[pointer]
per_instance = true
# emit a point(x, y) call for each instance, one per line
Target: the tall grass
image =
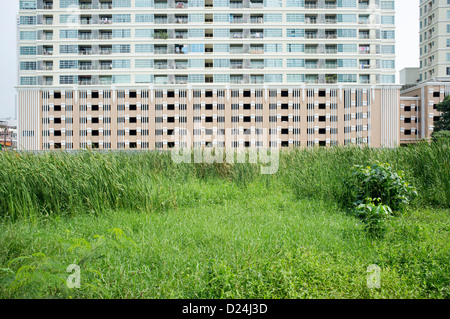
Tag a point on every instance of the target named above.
point(61, 183)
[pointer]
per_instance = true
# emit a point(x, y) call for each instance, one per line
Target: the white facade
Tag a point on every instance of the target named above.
point(126, 42)
point(435, 40)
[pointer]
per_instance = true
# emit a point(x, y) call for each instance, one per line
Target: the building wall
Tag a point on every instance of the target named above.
point(145, 118)
point(434, 39)
point(418, 110)
point(330, 39)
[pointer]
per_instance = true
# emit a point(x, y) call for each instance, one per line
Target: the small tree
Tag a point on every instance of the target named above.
point(444, 121)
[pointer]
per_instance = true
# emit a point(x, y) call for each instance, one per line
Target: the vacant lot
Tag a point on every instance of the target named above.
point(140, 226)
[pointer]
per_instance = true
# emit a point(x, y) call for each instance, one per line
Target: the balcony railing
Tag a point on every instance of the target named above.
point(237, 20)
point(106, 66)
point(181, 66)
point(85, 82)
point(180, 20)
point(237, 35)
point(257, 35)
point(85, 67)
point(256, 20)
point(86, 6)
point(106, 6)
point(85, 52)
point(105, 21)
point(236, 65)
point(106, 36)
point(160, 66)
point(105, 51)
point(311, 35)
point(85, 36)
point(47, 6)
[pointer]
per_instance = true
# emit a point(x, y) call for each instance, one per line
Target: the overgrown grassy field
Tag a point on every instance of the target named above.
point(141, 226)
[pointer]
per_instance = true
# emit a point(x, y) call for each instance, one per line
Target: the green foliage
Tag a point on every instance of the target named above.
point(444, 121)
point(381, 182)
point(441, 136)
point(41, 276)
point(374, 215)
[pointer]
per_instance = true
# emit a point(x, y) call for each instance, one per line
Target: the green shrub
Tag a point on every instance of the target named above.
point(381, 182)
point(374, 215)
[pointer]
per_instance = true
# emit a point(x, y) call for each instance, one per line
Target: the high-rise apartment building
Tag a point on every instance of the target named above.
point(434, 40)
point(119, 74)
point(418, 111)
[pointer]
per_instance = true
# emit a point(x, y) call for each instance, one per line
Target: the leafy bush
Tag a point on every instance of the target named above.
point(381, 182)
point(374, 215)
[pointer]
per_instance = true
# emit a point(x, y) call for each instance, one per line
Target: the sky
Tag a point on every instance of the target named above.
point(407, 47)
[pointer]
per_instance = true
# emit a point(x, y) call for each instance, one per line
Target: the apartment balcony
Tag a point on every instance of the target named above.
point(161, 66)
point(364, 50)
point(106, 66)
point(105, 82)
point(330, 20)
point(330, 65)
point(311, 50)
point(236, 51)
point(310, 35)
point(85, 36)
point(85, 82)
point(330, 5)
point(363, 20)
point(237, 35)
point(365, 66)
point(311, 65)
point(364, 81)
point(181, 5)
point(237, 65)
point(47, 6)
point(47, 52)
point(364, 35)
point(311, 79)
point(256, 4)
point(363, 5)
point(105, 5)
point(85, 52)
point(85, 6)
point(181, 20)
point(237, 20)
point(330, 79)
point(236, 5)
point(181, 66)
point(256, 20)
point(105, 51)
point(330, 35)
point(181, 35)
point(160, 51)
point(160, 5)
point(311, 5)
point(236, 79)
point(105, 36)
point(85, 21)
point(256, 50)
point(48, 67)
point(105, 21)
point(256, 79)
point(84, 67)
point(330, 51)
point(311, 20)
point(181, 79)
point(257, 35)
